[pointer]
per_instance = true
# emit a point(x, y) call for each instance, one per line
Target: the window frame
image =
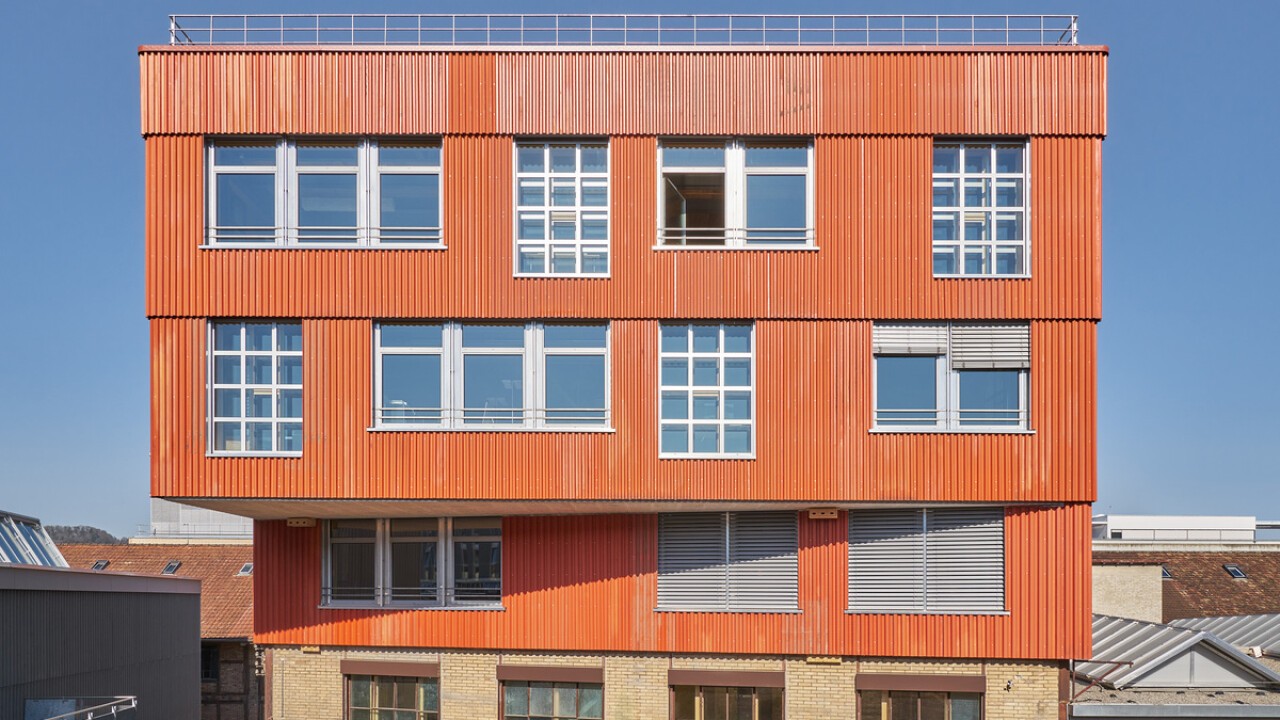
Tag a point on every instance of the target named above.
point(949, 415)
point(689, 421)
point(533, 353)
point(210, 672)
point(699, 705)
point(991, 210)
point(886, 705)
point(502, 697)
point(735, 173)
point(580, 211)
point(212, 386)
point(383, 597)
point(424, 714)
point(286, 171)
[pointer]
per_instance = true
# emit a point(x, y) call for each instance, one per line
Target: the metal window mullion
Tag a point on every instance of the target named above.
point(368, 182)
point(452, 337)
point(535, 395)
point(735, 219)
point(286, 192)
point(444, 562)
point(382, 562)
point(724, 519)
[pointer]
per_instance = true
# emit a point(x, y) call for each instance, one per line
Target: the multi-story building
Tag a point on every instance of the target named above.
point(636, 367)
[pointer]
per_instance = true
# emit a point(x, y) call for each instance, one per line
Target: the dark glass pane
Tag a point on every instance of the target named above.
point(289, 437)
point(406, 694)
point(493, 336)
point(1009, 159)
point(257, 336)
point(226, 436)
point(739, 701)
point(870, 701)
point(351, 571)
point(330, 155)
point(289, 337)
point(769, 701)
point(258, 370)
point(413, 571)
point(411, 388)
point(530, 158)
point(694, 208)
point(977, 159)
point(574, 336)
point(904, 705)
point(989, 397)
point(246, 201)
point(353, 529)
point(516, 698)
point(590, 702)
point(226, 403)
point(290, 370)
point(779, 156)
point(946, 159)
point(260, 155)
point(564, 158)
point(410, 201)
point(412, 336)
point(258, 403)
point(289, 404)
point(776, 208)
point(226, 370)
point(715, 703)
point(226, 336)
point(575, 389)
point(686, 701)
point(360, 686)
point(430, 695)
point(966, 706)
point(409, 155)
point(327, 201)
point(493, 388)
point(259, 436)
point(933, 706)
point(906, 390)
point(712, 156)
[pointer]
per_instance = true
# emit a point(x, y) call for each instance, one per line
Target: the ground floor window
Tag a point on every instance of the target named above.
point(546, 700)
point(706, 702)
point(904, 705)
point(209, 659)
point(371, 697)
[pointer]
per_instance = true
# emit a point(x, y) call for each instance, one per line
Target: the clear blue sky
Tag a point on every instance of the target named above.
point(1189, 409)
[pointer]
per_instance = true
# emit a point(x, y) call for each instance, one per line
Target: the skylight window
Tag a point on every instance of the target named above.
point(1164, 573)
point(246, 569)
point(171, 568)
point(101, 565)
point(1234, 571)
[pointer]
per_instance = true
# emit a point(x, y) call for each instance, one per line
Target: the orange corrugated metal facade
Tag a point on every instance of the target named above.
point(873, 116)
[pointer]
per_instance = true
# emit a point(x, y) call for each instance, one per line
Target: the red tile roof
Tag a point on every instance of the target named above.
point(226, 598)
point(1200, 587)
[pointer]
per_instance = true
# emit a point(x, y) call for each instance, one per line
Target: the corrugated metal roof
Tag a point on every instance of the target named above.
point(1243, 631)
point(1127, 650)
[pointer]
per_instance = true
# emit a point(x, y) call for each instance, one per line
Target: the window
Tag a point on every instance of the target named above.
point(171, 568)
point(100, 565)
point(245, 569)
point(256, 393)
point(700, 702)
point(945, 560)
point(420, 562)
point(370, 697)
point(910, 705)
point(361, 193)
point(544, 700)
point(736, 193)
point(957, 376)
point(741, 562)
point(209, 659)
point(1165, 574)
point(562, 208)
point(1235, 571)
point(707, 379)
point(496, 377)
point(979, 208)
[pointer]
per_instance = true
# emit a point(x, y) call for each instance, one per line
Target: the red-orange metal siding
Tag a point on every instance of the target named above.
point(813, 415)
point(555, 567)
point(872, 204)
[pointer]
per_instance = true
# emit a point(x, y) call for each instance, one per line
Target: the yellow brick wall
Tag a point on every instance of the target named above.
point(308, 686)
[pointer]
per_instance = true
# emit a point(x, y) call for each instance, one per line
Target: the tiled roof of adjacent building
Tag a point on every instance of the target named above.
point(226, 596)
point(1200, 586)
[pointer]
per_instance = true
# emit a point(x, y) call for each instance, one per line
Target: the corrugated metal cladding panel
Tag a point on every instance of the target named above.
point(813, 409)
point(1058, 91)
point(555, 567)
point(873, 259)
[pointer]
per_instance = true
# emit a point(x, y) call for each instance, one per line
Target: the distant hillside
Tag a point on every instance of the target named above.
point(81, 535)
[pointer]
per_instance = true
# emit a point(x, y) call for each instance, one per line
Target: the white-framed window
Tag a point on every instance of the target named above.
point(951, 376)
point(707, 389)
point(562, 208)
point(255, 387)
point(743, 193)
point(980, 204)
point(491, 376)
point(921, 560)
point(362, 192)
point(728, 562)
point(413, 562)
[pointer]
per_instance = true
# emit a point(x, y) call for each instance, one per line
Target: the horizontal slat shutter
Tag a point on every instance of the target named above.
point(976, 347)
point(691, 562)
point(763, 565)
point(886, 560)
point(965, 550)
point(909, 338)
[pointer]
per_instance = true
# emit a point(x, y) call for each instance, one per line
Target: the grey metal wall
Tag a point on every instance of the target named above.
point(61, 636)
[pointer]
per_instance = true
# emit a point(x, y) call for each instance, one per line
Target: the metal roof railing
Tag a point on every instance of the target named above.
point(611, 31)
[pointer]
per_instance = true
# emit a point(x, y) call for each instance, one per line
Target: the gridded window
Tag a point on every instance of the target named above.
point(703, 702)
point(526, 376)
point(980, 208)
point(945, 560)
point(911, 705)
point(737, 193)
point(740, 562)
point(24, 541)
point(951, 376)
point(392, 698)
point(546, 700)
point(255, 395)
point(562, 208)
point(356, 192)
point(706, 397)
point(210, 658)
point(413, 562)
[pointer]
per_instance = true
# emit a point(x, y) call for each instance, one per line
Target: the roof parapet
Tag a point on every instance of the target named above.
point(624, 31)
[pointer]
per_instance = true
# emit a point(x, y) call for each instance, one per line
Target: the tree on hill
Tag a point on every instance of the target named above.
point(81, 535)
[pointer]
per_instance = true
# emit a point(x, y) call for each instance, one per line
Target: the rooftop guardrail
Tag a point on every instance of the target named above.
point(631, 31)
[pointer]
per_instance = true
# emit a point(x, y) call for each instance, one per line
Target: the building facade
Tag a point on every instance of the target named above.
point(662, 381)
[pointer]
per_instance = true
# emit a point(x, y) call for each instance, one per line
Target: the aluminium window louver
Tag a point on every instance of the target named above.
point(999, 346)
point(734, 562)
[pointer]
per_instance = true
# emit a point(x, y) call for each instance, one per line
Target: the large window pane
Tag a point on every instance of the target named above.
point(414, 559)
point(409, 201)
point(351, 571)
point(776, 208)
point(493, 388)
point(477, 560)
point(694, 208)
point(246, 206)
point(411, 388)
point(906, 390)
point(327, 206)
point(989, 397)
point(575, 389)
